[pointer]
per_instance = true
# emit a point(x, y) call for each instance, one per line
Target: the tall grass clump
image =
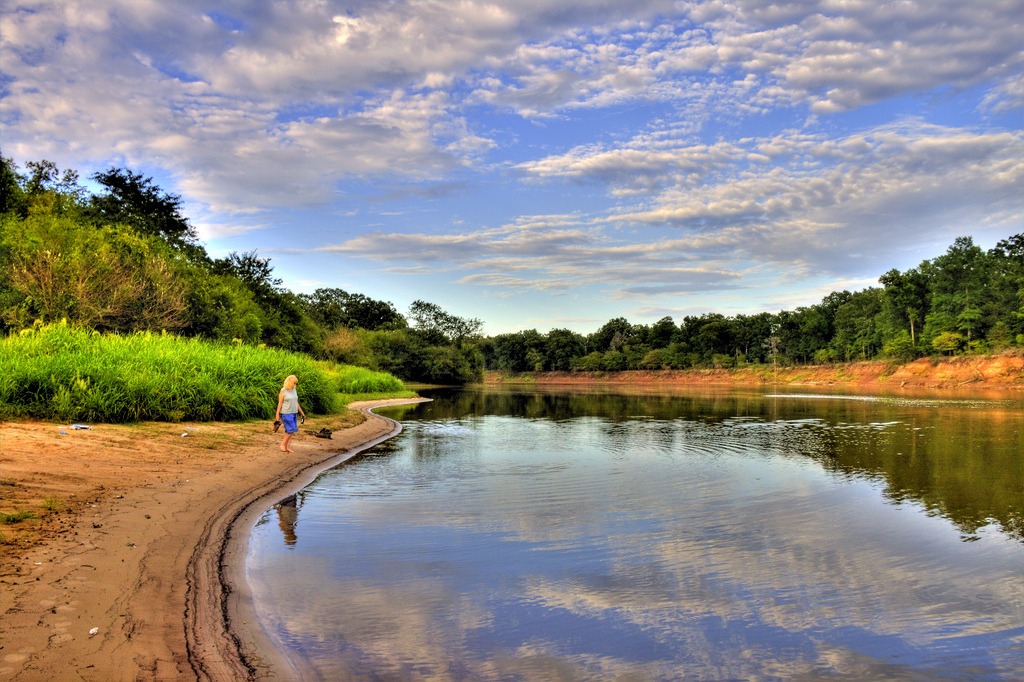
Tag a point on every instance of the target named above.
point(65, 373)
point(351, 380)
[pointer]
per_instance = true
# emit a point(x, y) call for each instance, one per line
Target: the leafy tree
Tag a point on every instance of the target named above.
point(857, 331)
point(591, 362)
point(254, 272)
point(654, 359)
point(901, 347)
point(968, 321)
point(615, 361)
point(662, 333)
point(396, 351)
point(135, 200)
point(284, 320)
point(947, 342)
point(957, 281)
point(561, 347)
point(713, 336)
point(221, 307)
point(333, 308)
point(108, 279)
point(750, 333)
point(12, 197)
point(906, 299)
point(438, 326)
point(446, 365)
point(519, 351)
point(44, 186)
point(1005, 285)
point(613, 335)
point(813, 332)
point(348, 346)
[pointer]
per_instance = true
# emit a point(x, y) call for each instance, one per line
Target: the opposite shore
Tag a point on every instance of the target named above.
point(974, 373)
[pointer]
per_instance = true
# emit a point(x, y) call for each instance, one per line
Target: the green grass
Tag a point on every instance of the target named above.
point(68, 374)
point(359, 380)
point(51, 503)
point(359, 383)
point(15, 517)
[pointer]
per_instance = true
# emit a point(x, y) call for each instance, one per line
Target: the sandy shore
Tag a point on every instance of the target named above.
point(136, 575)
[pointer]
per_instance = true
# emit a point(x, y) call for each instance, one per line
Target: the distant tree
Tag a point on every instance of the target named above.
point(750, 333)
point(44, 187)
point(438, 326)
point(561, 348)
point(12, 197)
point(221, 307)
point(947, 342)
point(45, 177)
point(333, 308)
point(135, 200)
point(254, 272)
point(519, 351)
point(1012, 247)
point(613, 335)
point(968, 321)
point(857, 331)
point(662, 333)
point(906, 299)
point(958, 277)
point(901, 347)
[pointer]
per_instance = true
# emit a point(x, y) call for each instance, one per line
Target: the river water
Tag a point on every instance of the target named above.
point(706, 535)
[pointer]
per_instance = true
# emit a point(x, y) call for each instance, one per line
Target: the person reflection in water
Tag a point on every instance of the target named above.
point(288, 518)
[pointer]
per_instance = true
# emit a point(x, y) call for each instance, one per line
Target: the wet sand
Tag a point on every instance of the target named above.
point(138, 574)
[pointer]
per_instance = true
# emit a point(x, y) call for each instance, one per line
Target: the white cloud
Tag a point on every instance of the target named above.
point(830, 56)
point(822, 199)
point(193, 90)
point(286, 104)
point(822, 210)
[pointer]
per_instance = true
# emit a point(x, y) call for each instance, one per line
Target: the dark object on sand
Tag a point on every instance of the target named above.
point(323, 433)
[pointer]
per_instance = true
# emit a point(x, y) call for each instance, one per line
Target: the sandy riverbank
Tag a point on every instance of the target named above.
point(141, 549)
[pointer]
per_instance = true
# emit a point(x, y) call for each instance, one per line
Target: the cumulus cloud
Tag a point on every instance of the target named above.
point(829, 56)
point(143, 80)
point(823, 207)
point(821, 200)
point(286, 104)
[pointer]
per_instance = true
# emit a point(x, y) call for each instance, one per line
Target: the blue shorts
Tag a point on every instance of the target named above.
point(291, 424)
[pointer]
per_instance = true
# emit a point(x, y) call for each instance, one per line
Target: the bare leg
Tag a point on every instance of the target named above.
point(284, 443)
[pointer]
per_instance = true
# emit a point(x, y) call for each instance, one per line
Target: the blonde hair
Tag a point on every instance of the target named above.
point(290, 382)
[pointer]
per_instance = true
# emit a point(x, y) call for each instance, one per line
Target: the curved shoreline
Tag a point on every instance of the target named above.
point(227, 620)
point(223, 632)
point(136, 572)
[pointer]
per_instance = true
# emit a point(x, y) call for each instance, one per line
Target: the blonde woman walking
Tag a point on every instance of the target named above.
point(287, 409)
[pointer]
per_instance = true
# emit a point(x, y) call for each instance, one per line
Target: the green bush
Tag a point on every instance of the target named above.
point(68, 374)
point(354, 380)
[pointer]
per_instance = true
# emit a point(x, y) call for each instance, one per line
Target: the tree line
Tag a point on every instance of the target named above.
point(127, 259)
point(965, 301)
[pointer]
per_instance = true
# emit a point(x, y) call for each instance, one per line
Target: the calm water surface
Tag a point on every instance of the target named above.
point(711, 536)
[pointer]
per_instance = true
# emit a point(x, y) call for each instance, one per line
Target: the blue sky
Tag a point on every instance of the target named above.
point(544, 163)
